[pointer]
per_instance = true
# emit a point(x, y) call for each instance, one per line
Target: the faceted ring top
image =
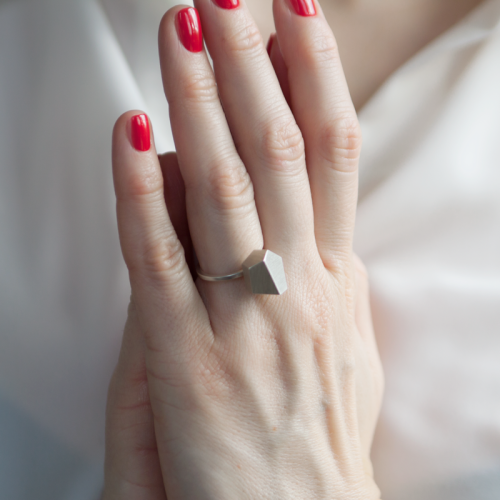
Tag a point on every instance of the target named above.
point(262, 270)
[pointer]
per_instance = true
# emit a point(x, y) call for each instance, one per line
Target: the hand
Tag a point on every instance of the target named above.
point(251, 396)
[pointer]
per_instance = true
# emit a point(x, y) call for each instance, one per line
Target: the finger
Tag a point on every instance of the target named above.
point(323, 109)
point(274, 51)
point(132, 465)
point(159, 275)
point(223, 220)
point(263, 127)
point(175, 199)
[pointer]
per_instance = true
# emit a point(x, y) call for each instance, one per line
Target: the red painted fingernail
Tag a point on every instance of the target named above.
point(270, 44)
point(227, 4)
point(189, 29)
point(141, 139)
point(304, 7)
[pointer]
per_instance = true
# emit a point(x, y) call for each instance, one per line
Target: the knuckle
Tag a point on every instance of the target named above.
point(324, 49)
point(340, 143)
point(146, 194)
point(200, 87)
point(282, 145)
point(145, 183)
point(163, 257)
point(339, 269)
point(348, 366)
point(319, 51)
point(246, 38)
point(230, 188)
point(336, 263)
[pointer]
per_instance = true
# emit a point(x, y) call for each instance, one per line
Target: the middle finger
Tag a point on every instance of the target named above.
point(262, 125)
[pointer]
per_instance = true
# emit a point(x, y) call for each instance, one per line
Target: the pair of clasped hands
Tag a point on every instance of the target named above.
point(220, 393)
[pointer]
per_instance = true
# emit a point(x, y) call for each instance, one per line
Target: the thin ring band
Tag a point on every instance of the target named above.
point(263, 272)
point(227, 277)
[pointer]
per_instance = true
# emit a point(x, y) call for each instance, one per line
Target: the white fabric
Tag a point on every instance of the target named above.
point(428, 230)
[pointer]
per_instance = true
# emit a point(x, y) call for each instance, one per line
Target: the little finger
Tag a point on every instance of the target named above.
point(324, 111)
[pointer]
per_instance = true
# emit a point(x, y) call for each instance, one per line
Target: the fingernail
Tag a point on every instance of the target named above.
point(304, 7)
point(227, 4)
point(140, 135)
point(189, 29)
point(270, 44)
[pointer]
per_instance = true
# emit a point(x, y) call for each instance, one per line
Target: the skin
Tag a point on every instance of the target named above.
point(219, 393)
point(376, 37)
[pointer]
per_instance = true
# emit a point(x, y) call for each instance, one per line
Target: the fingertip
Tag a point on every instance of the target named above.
point(135, 126)
point(184, 21)
point(139, 132)
point(304, 8)
point(135, 163)
point(168, 19)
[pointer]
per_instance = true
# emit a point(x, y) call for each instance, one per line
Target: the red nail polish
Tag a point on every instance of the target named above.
point(141, 139)
point(189, 29)
point(304, 7)
point(270, 44)
point(227, 4)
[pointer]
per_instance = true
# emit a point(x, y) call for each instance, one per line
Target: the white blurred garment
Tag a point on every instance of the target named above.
point(428, 229)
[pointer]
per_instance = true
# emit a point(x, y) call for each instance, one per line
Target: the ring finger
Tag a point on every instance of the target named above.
point(220, 203)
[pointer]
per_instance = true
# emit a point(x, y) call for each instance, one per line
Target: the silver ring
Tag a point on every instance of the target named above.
point(263, 272)
point(226, 277)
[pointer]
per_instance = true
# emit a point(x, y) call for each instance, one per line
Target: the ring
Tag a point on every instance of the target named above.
point(226, 277)
point(262, 270)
